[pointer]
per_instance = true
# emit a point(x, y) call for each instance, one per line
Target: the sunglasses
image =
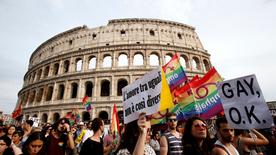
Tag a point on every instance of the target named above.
point(172, 120)
point(200, 125)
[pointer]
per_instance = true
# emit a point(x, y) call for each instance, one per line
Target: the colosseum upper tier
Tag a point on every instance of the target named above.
point(99, 62)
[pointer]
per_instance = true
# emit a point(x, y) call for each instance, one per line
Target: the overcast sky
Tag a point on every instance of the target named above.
point(239, 35)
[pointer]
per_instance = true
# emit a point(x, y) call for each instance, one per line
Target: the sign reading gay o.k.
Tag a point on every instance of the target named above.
point(148, 94)
point(243, 103)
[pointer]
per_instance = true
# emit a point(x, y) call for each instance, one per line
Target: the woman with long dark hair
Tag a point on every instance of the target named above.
point(34, 145)
point(196, 140)
point(134, 138)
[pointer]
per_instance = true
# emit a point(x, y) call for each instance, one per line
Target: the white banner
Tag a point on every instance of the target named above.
point(243, 103)
point(143, 95)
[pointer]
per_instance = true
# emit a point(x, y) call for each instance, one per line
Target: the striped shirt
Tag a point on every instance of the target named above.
point(174, 144)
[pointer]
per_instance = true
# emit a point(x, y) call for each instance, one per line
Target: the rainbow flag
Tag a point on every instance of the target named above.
point(202, 98)
point(175, 74)
point(197, 97)
point(87, 103)
point(115, 128)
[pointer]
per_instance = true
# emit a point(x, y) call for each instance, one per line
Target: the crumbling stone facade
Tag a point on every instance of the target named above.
point(100, 61)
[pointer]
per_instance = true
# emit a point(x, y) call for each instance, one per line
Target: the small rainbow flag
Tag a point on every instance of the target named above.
point(87, 103)
point(175, 74)
point(115, 128)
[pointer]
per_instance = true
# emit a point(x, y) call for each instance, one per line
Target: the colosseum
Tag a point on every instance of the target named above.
point(99, 62)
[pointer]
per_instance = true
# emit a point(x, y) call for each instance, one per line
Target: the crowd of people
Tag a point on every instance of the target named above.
point(135, 138)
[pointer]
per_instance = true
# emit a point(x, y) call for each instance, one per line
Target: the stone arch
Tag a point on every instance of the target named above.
point(168, 57)
point(49, 93)
point(121, 116)
point(33, 77)
point(184, 61)
point(103, 115)
point(138, 59)
point(88, 88)
point(206, 65)
point(154, 59)
point(122, 60)
point(32, 96)
point(120, 85)
point(66, 65)
point(60, 94)
point(78, 66)
point(35, 115)
point(105, 88)
point(92, 62)
point(107, 61)
point(86, 116)
point(39, 95)
point(195, 63)
point(44, 118)
point(55, 69)
point(74, 90)
point(46, 71)
point(39, 74)
point(56, 117)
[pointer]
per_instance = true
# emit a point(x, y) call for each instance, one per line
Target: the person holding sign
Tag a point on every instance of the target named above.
point(196, 140)
point(134, 138)
point(245, 143)
point(223, 145)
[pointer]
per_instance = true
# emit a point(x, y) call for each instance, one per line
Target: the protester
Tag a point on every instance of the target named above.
point(17, 138)
point(196, 140)
point(154, 142)
point(108, 142)
point(88, 132)
point(3, 131)
point(223, 146)
point(170, 142)
point(35, 144)
point(134, 138)
point(247, 144)
point(60, 138)
point(27, 128)
point(5, 143)
point(11, 130)
point(94, 144)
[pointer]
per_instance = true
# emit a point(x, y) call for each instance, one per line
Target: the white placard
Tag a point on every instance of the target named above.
point(243, 103)
point(143, 95)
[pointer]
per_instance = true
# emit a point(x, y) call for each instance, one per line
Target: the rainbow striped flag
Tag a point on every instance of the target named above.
point(198, 97)
point(87, 103)
point(115, 128)
point(175, 74)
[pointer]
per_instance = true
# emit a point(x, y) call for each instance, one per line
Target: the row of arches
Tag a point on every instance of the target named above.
point(81, 64)
point(47, 92)
point(85, 116)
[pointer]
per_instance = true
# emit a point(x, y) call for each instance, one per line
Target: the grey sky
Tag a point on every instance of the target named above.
point(239, 35)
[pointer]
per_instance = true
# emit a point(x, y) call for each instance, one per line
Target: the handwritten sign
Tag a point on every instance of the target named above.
point(244, 104)
point(148, 94)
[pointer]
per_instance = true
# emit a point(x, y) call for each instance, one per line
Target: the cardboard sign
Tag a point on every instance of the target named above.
point(148, 94)
point(243, 103)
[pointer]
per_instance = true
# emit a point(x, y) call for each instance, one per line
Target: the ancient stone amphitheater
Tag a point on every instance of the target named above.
point(99, 62)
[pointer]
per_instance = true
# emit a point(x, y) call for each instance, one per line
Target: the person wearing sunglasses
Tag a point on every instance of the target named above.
point(170, 142)
point(196, 140)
